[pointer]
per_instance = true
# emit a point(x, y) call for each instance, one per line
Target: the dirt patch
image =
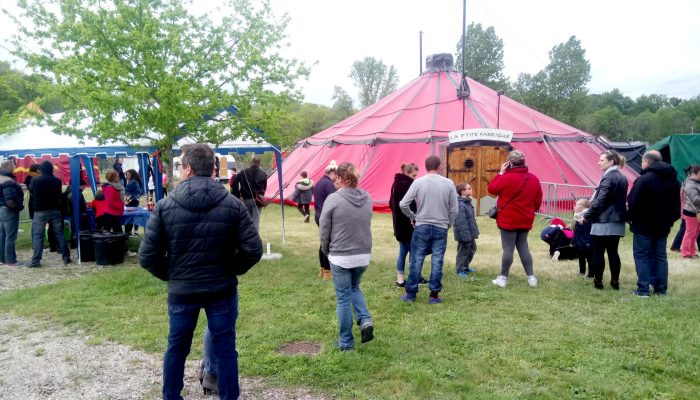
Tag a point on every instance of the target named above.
point(53, 363)
point(52, 270)
point(303, 348)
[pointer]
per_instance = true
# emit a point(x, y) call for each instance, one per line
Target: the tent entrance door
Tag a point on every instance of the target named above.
point(476, 165)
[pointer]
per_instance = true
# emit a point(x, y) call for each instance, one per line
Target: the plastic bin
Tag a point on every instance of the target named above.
point(109, 247)
point(87, 247)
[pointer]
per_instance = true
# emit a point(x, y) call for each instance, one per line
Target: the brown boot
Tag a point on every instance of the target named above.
point(320, 273)
point(327, 275)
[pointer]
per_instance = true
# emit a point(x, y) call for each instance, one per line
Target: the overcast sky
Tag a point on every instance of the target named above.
point(640, 47)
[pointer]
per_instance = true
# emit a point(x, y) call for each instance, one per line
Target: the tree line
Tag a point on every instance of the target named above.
point(154, 71)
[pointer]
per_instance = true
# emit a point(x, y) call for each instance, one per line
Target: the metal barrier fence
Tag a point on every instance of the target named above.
point(560, 199)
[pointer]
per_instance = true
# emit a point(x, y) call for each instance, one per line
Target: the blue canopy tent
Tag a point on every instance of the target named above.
point(39, 140)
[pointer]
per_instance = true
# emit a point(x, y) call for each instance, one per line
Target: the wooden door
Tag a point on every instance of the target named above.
point(475, 165)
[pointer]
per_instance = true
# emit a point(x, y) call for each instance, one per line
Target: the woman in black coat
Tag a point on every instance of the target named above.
point(403, 229)
point(607, 215)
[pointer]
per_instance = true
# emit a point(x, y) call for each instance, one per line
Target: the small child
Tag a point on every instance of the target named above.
point(302, 195)
point(582, 238)
point(466, 231)
point(99, 206)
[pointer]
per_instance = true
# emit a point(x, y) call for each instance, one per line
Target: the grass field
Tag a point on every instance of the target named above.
point(562, 339)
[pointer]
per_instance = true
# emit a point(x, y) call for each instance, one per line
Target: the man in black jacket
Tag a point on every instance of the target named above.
point(653, 207)
point(11, 203)
point(198, 239)
point(247, 184)
point(47, 202)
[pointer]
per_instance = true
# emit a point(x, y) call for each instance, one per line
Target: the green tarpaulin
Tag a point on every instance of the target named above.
point(680, 150)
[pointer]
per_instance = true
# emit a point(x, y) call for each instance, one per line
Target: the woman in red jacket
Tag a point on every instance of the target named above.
point(519, 197)
point(114, 202)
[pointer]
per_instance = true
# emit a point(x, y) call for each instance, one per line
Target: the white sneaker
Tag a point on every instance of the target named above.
point(555, 256)
point(532, 281)
point(500, 280)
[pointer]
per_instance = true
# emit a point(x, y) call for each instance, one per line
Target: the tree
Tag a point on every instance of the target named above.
point(613, 98)
point(131, 70)
point(374, 80)
point(673, 121)
point(568, 73)
point(652, 103)
point(342, 103)
point(484, 62)
point(559, 90)
point(642, 126)
point(607, 121)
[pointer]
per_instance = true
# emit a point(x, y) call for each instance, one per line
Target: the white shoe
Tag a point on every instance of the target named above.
point(500, 280)
point(130, 254)
point(532, 281)
point(555, 256)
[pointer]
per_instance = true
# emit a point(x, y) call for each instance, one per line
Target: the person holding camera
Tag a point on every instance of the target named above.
point(519, 197)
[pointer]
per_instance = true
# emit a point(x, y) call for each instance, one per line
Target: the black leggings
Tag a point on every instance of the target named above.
point(601, 244)
point(510, 240)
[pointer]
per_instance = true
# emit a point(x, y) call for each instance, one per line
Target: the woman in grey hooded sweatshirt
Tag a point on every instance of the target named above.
point(346, 238)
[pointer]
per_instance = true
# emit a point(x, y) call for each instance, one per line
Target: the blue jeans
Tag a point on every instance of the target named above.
point(426, 237)
point(404, 249)
point(9, 225)
point(210, 362)
point(651, 263)
point(221, 322)
point(41, 218)
point(347, 294)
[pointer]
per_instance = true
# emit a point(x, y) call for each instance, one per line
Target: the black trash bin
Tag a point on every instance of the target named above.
point(87, 247)
point(109, 247)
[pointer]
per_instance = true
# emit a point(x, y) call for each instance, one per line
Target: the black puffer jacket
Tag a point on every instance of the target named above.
point(653, 202)
point(610, 201)
point(403, 229)
point(198, 239)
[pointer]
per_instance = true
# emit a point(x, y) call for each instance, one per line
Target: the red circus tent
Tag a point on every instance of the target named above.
point(413, 123)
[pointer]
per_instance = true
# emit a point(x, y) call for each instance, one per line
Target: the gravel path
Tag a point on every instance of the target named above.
point(43, 361)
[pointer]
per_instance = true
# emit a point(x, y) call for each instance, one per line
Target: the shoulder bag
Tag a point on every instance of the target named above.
point(493, 211)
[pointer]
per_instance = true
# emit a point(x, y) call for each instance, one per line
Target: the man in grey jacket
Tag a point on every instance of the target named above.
point(436, 202)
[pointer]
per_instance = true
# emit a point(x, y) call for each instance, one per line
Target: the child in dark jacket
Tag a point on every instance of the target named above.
point(303, 191)
point(582, 238)
point(466, 231)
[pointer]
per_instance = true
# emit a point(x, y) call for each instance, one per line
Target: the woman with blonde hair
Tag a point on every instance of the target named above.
point(346, 238)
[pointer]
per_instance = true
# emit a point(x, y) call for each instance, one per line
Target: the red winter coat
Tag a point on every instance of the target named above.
point(519, 213)
point(113, 201)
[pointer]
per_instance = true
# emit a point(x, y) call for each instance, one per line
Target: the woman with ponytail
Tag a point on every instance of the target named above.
point(346, 238)
point(607, 214)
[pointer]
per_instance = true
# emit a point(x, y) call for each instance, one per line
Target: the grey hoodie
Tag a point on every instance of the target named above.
point(345, 224)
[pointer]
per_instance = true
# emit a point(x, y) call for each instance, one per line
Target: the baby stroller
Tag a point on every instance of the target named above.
point(558, 237)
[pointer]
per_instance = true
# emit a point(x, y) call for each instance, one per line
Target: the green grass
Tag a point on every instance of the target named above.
point(560, 340)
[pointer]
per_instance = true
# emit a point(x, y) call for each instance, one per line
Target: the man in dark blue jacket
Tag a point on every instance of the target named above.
point(653, 207)
point(198, 239)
